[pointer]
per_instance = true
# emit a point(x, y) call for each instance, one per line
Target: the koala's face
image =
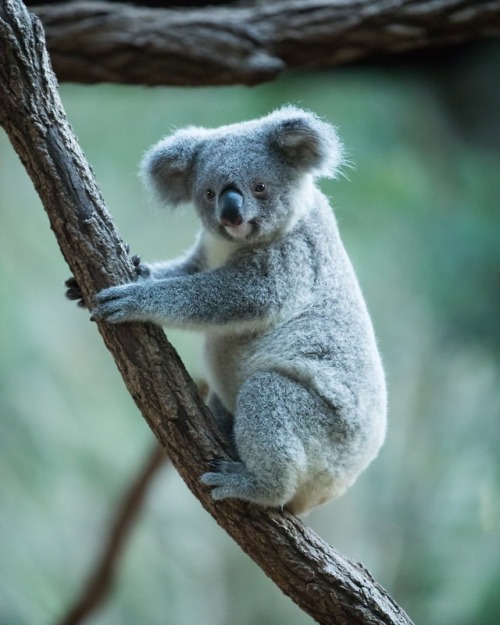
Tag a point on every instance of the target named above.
point(246, 180)
point(243, 189)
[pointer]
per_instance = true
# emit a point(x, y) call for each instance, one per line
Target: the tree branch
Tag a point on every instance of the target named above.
point(101, 578)
point(328, 586)
point(91, 41)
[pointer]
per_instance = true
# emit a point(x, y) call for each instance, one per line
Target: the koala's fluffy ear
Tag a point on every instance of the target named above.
point(306, 141)
point(167, 167)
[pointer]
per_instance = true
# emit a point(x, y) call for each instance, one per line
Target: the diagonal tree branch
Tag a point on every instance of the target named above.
point(95, 41)
point(325, 584)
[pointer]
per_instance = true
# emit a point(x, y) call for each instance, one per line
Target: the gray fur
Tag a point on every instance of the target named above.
point(292, 363)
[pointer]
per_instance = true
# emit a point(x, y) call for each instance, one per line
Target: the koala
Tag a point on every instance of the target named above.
point(295, 377)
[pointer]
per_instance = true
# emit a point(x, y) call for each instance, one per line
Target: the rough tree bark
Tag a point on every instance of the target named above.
point(248, 44)
point(325, 584)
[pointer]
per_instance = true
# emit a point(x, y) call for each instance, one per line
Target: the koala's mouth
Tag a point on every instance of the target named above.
point(242, 231)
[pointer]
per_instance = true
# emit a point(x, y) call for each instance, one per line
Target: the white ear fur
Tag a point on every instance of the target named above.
point(307, 142)
point(167, 167)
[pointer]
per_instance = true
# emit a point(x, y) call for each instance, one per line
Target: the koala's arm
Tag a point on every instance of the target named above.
point(190, 263)
point(243, 292)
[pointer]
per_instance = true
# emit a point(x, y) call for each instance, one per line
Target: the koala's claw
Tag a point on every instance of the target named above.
point(141, 270)
point(73, 291)
point(225, 466)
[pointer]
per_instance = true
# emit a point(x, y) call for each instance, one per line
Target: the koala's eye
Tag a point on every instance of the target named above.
point(260, 188)
point(210, 194)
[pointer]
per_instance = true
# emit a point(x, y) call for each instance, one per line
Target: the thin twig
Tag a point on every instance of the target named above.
point(126, 515)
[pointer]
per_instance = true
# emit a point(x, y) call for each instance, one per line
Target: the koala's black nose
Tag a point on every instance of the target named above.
point(230, 203)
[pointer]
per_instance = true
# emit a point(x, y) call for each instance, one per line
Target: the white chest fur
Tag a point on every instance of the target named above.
point(217, 250)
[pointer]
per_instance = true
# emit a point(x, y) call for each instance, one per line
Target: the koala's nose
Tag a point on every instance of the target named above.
point(230, 203)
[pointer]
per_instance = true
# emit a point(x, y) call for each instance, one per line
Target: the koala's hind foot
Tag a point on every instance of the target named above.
point(270, 434)
point(233, 480)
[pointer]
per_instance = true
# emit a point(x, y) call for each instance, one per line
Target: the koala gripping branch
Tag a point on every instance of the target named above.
point(323, 583)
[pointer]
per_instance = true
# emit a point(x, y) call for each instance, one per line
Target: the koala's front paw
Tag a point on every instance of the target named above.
point(118, 304)
point(73, 292)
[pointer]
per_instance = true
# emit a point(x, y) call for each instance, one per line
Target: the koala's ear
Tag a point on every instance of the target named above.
point(307, 142)
point(168, 166)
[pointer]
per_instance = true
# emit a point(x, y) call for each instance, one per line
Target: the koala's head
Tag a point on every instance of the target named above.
point(248, 181)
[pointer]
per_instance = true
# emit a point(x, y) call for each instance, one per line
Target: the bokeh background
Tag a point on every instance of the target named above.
point(420, 216)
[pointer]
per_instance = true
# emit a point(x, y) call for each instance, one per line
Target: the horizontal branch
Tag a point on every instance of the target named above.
point(91, 41)
point(332, 589)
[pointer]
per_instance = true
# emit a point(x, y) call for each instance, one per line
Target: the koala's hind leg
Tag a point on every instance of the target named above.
point(272, 454)
point(224, 419)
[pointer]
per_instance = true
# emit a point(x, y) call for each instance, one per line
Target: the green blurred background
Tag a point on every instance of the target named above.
point(420, 217)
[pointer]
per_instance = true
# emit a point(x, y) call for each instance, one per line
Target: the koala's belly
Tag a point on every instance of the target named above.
point(231, 359)
point(228, 363)
point(226, 358)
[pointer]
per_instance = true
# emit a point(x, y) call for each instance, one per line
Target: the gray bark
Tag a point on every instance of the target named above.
point(248, 44)
point(322, 582)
